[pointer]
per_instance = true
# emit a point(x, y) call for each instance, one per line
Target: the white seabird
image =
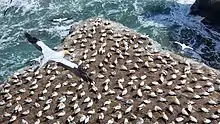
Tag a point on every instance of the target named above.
point(59, 20)
point(183, 46)
point(51, 55)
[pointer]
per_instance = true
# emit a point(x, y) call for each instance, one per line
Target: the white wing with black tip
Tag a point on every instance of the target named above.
point(47, 51)
point(51, 55)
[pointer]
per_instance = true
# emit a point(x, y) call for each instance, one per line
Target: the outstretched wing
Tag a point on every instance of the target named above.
point(189, 47)
point(66, 63)
point(77, 70)
point(32, 40)
point(182, 47)
point(39, 45)
point(178, 43)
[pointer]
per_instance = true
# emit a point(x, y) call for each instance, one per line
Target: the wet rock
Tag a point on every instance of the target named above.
point(210, 9)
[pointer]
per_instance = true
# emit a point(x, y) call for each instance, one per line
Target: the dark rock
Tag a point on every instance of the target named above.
point(210, 9)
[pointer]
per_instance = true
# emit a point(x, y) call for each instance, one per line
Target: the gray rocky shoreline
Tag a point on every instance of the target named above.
point(134, 82)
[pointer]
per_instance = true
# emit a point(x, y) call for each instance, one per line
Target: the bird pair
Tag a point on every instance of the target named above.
point(50, 55)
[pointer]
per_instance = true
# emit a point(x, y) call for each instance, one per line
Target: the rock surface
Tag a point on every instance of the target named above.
point(210, 9)
point(133, 83)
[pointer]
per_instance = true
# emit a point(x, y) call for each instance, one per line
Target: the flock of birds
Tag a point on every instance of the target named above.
point(131, 82)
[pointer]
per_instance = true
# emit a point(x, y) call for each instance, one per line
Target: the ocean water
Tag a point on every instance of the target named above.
point(166, 21)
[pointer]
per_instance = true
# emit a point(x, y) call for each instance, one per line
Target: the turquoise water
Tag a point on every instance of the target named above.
point(165, 21)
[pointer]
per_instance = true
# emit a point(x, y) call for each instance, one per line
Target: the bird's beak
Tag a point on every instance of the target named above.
point(66, 52)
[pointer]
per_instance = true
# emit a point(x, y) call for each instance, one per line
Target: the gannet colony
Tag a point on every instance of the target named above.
point(132, 83)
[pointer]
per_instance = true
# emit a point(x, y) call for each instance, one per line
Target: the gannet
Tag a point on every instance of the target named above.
point(51, 55)
point(183, 46)
point(59, 20)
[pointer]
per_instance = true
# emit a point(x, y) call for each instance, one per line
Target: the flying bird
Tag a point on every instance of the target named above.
point(57, 56)
point(183, 46)
point(59, 20)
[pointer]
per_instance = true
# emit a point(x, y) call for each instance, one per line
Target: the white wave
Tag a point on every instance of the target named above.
point(185, 1)
point(180, 15)
point(58, 29)
point(24, 5)
point(149, 23)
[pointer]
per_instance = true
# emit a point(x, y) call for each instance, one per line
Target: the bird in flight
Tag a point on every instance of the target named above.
point(50, 55)
point(59, 20)
point(183, 46)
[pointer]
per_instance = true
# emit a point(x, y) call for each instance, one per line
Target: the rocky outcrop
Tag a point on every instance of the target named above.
point(210, 9)
point(132, 83)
